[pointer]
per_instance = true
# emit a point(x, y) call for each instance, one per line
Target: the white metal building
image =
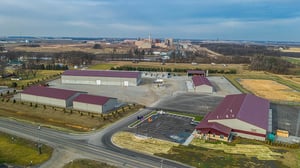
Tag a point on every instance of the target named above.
point(202, 84)
point(49, 96)
point(93, 77)
point(93, 103)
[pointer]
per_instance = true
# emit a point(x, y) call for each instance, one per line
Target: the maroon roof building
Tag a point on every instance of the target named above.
point(49, 96)
point(93, 103)
point(196, 73)
point(243, 115)
point(94, 77)
point(202, 84)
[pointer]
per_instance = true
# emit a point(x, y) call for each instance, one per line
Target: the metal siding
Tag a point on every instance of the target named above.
point(87, 107)
point(204, 89)
point(240, 125)
point(43, 100)
point(109, 105)
point(93, 80)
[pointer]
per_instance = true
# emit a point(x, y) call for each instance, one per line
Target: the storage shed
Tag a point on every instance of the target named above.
point(49, 96)
point(93, 103)
point(243, 115)
point(93, 77)
point(202, 84)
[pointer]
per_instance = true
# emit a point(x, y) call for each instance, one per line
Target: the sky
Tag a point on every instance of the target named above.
point(265, 20)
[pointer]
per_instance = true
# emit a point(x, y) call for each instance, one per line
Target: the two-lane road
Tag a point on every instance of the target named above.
point(97, 144)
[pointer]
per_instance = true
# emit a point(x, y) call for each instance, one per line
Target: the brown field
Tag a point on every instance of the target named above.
point(130, 141)
point(270, 90)
point(292, 49)
point(54, 48)
point(261, 152)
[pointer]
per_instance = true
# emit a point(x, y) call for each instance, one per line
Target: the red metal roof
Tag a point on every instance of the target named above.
point(119, 74)
point(200, 80)
point(245, 107)
point(49, 92)
point(212, 127)
point(92, 99)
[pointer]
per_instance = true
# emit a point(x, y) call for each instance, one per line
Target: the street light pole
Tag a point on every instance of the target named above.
point(39, 145)
point(161, 163)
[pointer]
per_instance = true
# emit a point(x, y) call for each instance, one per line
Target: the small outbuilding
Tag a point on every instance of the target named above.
point(196, 73)
point(94, 77)
point(93, 103)
point(202, 84)
point(50, 96)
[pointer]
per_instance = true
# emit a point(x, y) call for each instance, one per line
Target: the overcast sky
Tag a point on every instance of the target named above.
point(277, 20)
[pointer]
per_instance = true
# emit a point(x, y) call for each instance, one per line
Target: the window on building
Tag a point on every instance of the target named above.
point(222, 136)
point(214, 134)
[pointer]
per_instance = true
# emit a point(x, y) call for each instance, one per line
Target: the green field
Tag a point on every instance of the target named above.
point(18, 151)
point(102, 66)
point(84, 163)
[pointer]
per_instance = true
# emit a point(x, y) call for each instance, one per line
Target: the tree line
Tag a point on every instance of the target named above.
point(177, 70)
point(270, 64)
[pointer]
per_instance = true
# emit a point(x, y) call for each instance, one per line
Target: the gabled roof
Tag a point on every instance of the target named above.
point(92, 99)
point(245, 107)
point(49, 92)
point(200, 80)
point(94, 73)
point(205, 125)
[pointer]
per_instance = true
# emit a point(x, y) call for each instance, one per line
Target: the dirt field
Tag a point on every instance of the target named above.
point(131, 141)
point(270, 90)
point(70, 47)
point(292, 49)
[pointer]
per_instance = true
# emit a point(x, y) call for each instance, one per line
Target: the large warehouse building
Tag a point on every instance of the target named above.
point(243, 115)
point(93, 77)
point(202, 84)
point(93, 103)
point(49, 96)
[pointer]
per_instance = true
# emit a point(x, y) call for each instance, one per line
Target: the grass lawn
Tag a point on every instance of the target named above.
point(238, 67)
point(204, 154)
point(71, 120)
point(81, 163)
point(103, 66)
point(21, 152)
point(40, 76)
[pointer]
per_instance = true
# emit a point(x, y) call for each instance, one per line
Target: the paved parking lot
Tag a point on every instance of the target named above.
point(190, 102)
point(166, 126)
